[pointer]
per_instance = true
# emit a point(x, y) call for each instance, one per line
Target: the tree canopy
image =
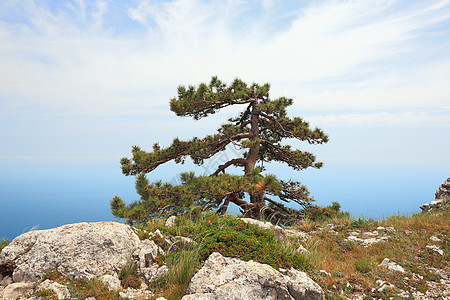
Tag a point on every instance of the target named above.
point(258, 131)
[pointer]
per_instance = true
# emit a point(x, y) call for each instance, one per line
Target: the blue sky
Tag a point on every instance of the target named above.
point(82, 81)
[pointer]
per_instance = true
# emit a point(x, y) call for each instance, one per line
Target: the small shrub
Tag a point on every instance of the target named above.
point(321, 214)
point(362, 223)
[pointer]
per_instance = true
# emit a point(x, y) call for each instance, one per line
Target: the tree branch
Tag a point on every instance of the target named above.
point(236, 161)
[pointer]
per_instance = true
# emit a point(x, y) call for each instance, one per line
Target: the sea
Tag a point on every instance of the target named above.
point(45, 193)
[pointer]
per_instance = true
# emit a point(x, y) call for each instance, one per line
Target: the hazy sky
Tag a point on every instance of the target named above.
point(85, 80)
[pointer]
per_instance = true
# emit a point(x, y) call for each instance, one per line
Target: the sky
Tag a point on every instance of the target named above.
point(82, 81)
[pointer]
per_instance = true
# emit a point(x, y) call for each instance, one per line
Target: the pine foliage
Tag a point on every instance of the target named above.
point(258, 131)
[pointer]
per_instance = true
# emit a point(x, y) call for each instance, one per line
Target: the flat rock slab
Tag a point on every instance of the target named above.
point(79, 251)
point(230, 278)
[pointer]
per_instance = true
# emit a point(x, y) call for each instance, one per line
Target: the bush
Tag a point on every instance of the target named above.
point(3, 243)
point(317, 213)
point(232, 237)
point(362, 223)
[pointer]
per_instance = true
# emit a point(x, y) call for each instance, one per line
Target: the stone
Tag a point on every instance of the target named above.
point(302, 250)
point(61, 291)
point(5, 281)
point(435, 239)
point(230, 278)
point(138, 294)
point(435, 248)
point(366, 242)
point(392, 265)
point(146, 252)
point(432, 206)
point(17, 290)
point(324, 273)
point(277, 229)
point(111, 281)
point(79, 251)
point(154, 272)
point(390, 229)
point(171, 221)
point(182, 242)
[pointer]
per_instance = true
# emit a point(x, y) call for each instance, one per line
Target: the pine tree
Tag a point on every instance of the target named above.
point(258, 131)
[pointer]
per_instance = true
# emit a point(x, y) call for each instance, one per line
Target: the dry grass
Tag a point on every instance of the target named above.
point(358, 266)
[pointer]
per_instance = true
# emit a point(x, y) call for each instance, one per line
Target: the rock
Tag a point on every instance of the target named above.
point(384, 285)
point(17, 290)
point(390, 229)
point(367, 235)
point(433, 205)
point(111, 281)
point(302, 250)
point(435, 248)
point(269, 226)
point(79, 251)
point(146, 252)
point(182, 242)
point(61, 291)
point(154, 272)
point(5, 281)
point(366, 242)
point(231, 278)
point(443, 190)
point(171, 221)
point(435, 239)
point(324, 273)
point(441, 194)
point(131, 293)
point(392, 265)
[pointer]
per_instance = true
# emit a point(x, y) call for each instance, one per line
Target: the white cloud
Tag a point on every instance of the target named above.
point(56, 60)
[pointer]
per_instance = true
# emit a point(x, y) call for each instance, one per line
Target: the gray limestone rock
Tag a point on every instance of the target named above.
point(154, 272)
point(78, 251)
point(61, 291)
point(171, 221)
point(111, 281)
point(17, 290)
point(277, 229)
point(392, 265)
point(231, 278)
point(131, 293)
point(146, 252)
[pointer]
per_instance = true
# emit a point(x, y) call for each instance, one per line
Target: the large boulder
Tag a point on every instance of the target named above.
point(231, 278)
point(79, 251)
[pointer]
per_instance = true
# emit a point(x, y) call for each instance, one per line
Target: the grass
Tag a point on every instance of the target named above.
point(129, 276)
